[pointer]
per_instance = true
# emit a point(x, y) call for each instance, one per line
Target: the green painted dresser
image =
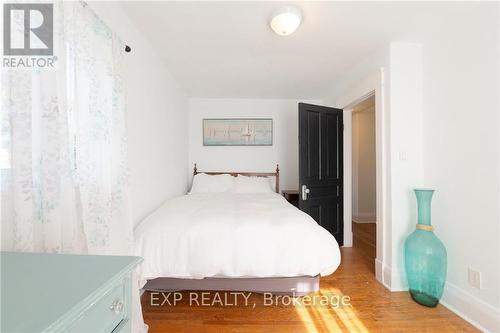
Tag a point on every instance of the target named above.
point(65, 293)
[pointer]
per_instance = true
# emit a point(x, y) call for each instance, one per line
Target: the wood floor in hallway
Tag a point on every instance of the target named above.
point(364, 239)
point(372, 309)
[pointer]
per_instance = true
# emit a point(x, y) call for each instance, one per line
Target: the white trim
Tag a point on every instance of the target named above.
point(382, 199)
point(474, 310)
point(364, 217)
point(392, 279)
point(363, 221)
point(398, 281)
point(347, 118)
point(379, 271)
point(467, 306)
point(371, 85)
point(386, 275)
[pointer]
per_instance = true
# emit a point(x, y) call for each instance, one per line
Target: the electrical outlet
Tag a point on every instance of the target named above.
point(474, 278)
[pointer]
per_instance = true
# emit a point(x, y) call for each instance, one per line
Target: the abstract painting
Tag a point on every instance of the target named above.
point(237, 132)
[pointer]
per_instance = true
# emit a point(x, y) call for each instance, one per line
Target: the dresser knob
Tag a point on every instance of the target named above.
point(117, 306)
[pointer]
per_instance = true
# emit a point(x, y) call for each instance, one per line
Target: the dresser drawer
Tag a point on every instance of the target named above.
point(106, 313)
point(123, 327)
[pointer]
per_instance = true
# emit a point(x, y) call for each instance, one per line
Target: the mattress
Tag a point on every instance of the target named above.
point(233, 235)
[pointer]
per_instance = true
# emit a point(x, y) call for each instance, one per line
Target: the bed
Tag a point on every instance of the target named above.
point(234, 237)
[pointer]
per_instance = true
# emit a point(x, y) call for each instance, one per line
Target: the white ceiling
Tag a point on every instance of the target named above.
point(226, 49)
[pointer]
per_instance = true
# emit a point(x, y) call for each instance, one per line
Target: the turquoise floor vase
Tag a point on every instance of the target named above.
point(425, 256)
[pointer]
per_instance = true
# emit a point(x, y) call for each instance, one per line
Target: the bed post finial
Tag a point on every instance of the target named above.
point(195, 170)
point(277, 178)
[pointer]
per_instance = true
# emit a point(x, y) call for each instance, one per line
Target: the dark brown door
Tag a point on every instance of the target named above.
point(321, 166)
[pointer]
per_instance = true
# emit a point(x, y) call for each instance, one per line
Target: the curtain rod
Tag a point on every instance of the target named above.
point(128, 49)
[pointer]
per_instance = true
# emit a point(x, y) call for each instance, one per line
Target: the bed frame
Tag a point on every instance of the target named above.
point(293, 286)
point(248, 174)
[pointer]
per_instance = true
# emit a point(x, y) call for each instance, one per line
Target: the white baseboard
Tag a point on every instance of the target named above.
point(364, 217)
point(379, 271)
point(474, 310)
point(393, 279)
point(385, 275)
point(469, 307)
point(362, 222)
point(348, 240)
point(398, 280)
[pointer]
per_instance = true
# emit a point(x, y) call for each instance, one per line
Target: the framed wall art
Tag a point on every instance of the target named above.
point(238, 132)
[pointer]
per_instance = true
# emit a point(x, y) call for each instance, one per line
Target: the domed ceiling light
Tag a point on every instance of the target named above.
point(286, 20)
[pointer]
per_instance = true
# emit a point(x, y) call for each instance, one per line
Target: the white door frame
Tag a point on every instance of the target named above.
point(371, 86)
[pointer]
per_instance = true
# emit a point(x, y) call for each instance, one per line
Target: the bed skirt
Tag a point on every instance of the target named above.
point(293, 286)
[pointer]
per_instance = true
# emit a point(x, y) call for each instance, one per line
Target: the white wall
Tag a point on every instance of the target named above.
point(449, 141)
point(461, 131)
point(368, 78)
point(498, 146)
point(394, 72)
point(363, 165)
point(406, 151)
point(284, 150)
point(156, 118)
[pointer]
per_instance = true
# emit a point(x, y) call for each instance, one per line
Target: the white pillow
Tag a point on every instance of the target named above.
point(203, 183)
point(244, 184)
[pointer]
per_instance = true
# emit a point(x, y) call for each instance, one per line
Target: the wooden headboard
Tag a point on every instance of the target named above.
point(249, 174)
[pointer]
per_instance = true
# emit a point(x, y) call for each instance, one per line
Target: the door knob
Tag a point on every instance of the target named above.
point(305, 192)
point(117, 306)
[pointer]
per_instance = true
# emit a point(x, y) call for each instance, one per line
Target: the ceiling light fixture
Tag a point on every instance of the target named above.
point(286, 20)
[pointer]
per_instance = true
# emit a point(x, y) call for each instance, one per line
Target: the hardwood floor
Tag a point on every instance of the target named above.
point(372, 309)
point(364, 238)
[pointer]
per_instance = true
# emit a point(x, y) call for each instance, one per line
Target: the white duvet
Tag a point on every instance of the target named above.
point(233, 235)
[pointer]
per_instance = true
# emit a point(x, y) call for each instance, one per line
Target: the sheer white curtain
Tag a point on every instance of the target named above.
point(64, 172)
